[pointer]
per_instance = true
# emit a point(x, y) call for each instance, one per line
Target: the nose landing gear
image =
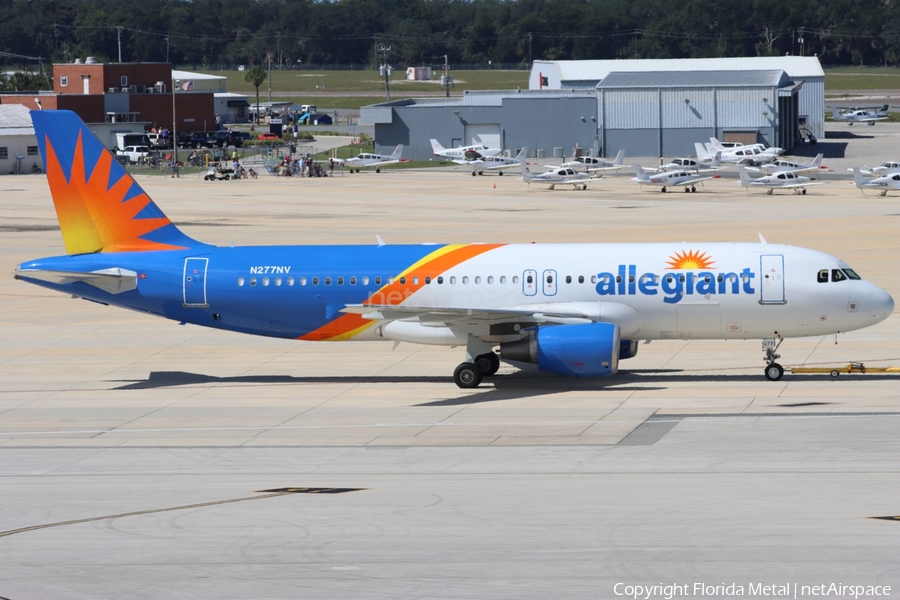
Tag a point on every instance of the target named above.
point(773, 371)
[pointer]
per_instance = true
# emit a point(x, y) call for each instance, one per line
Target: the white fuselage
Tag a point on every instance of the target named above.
point(721, 291)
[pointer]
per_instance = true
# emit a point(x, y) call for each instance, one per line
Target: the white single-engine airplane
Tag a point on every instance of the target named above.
point(670, 178)
point(559, 176)
point(367, 159)
point(883, 169)
point(591, 164)
point(742, 155)
point(856, 116)
point(779, 165)
point(884, 183)
point(493, 163)
point(787, 180)
point(573, 309)
point(690, 164)
point(472, 152)
point(715, 145)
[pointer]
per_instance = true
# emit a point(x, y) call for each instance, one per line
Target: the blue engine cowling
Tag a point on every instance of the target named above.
point(589, 350)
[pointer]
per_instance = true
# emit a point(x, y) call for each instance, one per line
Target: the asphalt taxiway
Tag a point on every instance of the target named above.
point(138, 458)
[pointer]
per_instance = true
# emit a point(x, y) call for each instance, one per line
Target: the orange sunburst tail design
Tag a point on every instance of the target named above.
point(100, 207)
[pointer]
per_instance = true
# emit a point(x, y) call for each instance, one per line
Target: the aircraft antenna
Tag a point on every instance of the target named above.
point(380, 241)
point(762, 240)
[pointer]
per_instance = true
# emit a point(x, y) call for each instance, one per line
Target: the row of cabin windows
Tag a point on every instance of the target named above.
point(452, 280)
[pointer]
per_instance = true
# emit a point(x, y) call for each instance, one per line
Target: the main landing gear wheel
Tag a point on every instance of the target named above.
point(687, 188)
point(663, 190)
point(803, 191)
point(488, 363)
point(774, 372)
point(693, 188)
point(474, 173)
point(467, 375)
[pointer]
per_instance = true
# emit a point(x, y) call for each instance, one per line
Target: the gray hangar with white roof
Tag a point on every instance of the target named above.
point(646, 107)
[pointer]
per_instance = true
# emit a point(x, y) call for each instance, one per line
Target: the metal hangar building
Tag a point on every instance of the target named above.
point(650, 108)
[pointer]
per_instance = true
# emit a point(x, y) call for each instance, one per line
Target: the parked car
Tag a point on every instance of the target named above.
point(223, 139)
point(134, 153)
point(197, 139)
point(267, 136)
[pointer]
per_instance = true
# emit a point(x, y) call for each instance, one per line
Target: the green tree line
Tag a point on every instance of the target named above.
point(471, 32)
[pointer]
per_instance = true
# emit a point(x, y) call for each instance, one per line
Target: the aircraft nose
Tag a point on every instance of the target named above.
point(882, 304)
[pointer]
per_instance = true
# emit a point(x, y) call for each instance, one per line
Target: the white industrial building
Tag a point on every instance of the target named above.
point(18, 144)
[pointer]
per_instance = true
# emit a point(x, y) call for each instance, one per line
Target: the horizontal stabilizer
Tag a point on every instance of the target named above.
point(113, 281)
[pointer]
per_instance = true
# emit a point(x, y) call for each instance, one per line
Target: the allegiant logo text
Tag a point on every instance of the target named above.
point(674, 286)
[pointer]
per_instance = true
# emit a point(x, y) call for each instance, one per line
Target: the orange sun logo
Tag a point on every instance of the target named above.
point(690, 260)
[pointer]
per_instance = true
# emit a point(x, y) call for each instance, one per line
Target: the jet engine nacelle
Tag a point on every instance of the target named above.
point(588, 350)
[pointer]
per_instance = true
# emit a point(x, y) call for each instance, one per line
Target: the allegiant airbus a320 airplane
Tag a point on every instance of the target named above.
point(574, 309)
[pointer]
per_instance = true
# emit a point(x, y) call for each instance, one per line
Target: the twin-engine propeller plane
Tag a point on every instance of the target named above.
point(369, 159)
point(573, 309)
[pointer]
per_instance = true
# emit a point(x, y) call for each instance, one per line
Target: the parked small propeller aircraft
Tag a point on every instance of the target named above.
point(670, 178)
point(879, 111)
point(783, 180)
point(572, 309)
point(883, 183)
point(592, 164)
point(367, 159)
point(715, 145)
point(742, 155)
point(885, 168)
point(691, 164)
point(779, 165)
point(493, 163)
point(561, 175)
point(856, 116)
point(472, 152)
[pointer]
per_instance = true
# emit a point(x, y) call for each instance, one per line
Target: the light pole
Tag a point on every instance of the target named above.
point(175, 83)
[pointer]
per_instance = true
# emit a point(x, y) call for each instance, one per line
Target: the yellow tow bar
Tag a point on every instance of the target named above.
point(850, 368)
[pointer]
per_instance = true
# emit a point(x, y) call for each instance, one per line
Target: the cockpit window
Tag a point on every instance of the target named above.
point(851, 274)
point(822, 277)
point(837, 275)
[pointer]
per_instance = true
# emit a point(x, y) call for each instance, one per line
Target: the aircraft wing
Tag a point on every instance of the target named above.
point(803, 185)
point(697, 180)
point(113, 281)
point(495, 167)
point(479, 321)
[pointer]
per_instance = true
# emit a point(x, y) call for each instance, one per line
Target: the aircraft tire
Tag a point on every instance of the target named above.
point(500, 173)
point(474, 173)
point(693, 188)
point(377, 170)
point(467, 375)
point(488, 363)
point(835, 373)
point(687, 189)
point(803, 191)
point(774, 372)
point(663, 190)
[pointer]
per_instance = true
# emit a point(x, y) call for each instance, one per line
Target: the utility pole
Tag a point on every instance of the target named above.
point(269, 78)
point(385, 70)
point(446, 78)
point(167, 47)
point(119, 36)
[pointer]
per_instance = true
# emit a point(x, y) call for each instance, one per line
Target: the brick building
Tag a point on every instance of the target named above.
point(134, 93)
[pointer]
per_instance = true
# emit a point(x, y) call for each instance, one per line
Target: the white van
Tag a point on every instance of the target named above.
point(307, 108)
point(134, 153)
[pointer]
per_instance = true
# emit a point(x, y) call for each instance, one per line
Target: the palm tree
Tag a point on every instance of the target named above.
point(255, 77)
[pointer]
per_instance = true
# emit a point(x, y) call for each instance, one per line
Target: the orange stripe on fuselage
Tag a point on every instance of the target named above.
point(347, 326)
